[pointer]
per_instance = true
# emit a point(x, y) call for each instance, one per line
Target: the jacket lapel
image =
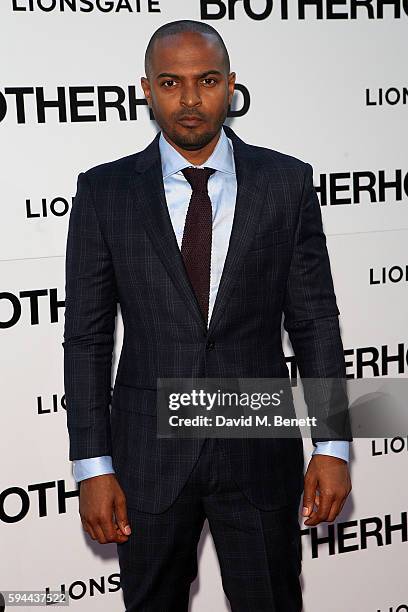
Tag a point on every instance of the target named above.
point(251, 186)
point(147, 190)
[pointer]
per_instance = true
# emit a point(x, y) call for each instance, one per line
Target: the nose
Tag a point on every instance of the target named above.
point(190, 95)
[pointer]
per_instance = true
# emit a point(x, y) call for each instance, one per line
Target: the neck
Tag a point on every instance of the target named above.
point(199, 156)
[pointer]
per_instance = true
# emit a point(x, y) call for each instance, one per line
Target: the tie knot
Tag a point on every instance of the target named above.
point(198, 177)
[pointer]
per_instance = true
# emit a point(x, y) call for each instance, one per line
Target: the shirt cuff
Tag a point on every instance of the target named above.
point(335, 448)
point(94, 466)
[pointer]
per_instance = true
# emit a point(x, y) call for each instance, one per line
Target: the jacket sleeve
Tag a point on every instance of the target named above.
point(311, 320)
point(90, 310)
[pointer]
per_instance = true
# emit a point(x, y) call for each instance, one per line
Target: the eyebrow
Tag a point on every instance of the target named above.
point(200, 76)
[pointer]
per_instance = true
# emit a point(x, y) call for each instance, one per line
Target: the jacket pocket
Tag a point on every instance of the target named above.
point(141, 400)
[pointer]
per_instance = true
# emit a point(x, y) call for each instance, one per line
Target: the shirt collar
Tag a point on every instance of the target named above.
point(222, 158)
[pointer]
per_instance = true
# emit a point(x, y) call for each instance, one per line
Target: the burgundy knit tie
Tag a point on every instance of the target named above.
point(197, 236)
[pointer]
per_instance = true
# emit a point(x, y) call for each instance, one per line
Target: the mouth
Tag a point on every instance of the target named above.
point(192, 121)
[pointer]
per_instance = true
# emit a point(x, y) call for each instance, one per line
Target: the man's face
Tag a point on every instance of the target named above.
point(188, 88)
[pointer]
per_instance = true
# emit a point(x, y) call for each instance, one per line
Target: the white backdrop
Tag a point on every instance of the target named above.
point(332, 91)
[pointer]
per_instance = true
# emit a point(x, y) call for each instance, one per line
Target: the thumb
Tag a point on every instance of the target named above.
point(309, 494)
point(121, 515)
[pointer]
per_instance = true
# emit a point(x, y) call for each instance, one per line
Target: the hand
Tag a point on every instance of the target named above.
point(102, 506)
point(327, 485)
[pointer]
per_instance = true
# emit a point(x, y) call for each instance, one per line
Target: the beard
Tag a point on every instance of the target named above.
point(192, 139)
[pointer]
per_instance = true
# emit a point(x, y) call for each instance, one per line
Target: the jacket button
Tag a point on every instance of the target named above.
point(210, 345)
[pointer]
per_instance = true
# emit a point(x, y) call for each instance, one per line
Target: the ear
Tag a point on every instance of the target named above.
point(144, 81)
point(231, 86)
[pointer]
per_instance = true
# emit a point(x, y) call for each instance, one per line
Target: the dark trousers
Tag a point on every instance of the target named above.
point(259, 551)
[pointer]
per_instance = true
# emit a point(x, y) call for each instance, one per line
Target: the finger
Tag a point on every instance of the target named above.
point(108, 528)
point(322, 512)
point(120, 537)
point(120, 509)
point(309, 495)
point(88, 528)
point(334, 511)
point(343, 501)
point(100, 536)
point(316, 503)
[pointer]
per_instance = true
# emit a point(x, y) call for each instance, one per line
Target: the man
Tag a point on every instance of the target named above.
point(205, 241)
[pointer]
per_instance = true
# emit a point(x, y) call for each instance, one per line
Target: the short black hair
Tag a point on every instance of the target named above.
point(178, 27)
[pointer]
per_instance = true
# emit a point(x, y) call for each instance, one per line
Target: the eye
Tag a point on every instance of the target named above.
point(164, 84)
point(206, 81)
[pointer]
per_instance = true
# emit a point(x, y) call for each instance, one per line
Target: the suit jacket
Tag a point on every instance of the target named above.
point(121, 248)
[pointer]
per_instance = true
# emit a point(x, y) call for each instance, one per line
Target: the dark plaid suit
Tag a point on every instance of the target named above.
point(122, 248)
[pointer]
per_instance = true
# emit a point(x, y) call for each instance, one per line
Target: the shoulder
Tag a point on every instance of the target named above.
point(112, 177)
point(272, 158)
point(123, 167)
point(283, 171)
point(111, 169)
